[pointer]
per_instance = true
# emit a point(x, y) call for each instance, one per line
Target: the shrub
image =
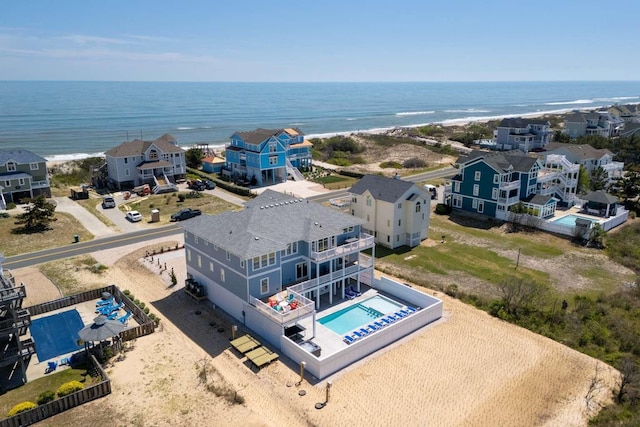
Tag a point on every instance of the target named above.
point(146, 310)
point(127, 292)
point(136, 301)
point(152, 316)
point(142, 305)
point(46, 396)
point(181, 197)
point(10, 206)
point(4, 215)
point(68, 388)
point(21, 407)
point(414, 163)
point(391, 164)
point(442, 209)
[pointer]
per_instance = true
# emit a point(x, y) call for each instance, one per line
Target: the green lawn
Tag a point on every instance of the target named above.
point(31, 390)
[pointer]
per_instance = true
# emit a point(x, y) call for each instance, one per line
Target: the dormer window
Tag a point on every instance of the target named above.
point(153, 155)
point(11, 166)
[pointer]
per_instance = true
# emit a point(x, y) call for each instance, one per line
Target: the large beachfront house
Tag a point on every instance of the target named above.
point(267, 156)
point(274, 264)
point(602, 123)
point(492, 183)
point(588, 157)
point(396, 211)
point(23, 175)
point(522, 134)
point(159, 163)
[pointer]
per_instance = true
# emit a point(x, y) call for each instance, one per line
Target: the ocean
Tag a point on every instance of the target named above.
point(66, 120)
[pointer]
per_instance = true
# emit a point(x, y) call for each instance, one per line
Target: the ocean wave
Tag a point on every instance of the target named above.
point(350, 119)
point(185, 128)
point(468, 110)
point(414, 113)
point(70, 157)
point(577, 101)
point(616, 98)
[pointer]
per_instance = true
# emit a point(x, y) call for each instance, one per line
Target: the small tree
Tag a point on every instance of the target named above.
point(629, 377)
point(518, 295)
point(584, 181)
point(598, 179)
point(193, 158)
point(39, 213)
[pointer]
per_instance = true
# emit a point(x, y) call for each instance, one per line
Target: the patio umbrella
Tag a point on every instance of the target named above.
point(101, 329)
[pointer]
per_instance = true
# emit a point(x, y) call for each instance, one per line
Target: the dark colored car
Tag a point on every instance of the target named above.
point(183, 214)
point(197, 185)
point(209, 185)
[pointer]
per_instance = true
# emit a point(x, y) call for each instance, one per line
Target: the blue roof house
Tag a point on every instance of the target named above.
point(267, 156)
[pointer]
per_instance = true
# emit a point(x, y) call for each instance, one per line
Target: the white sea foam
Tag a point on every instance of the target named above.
point(577, 101)
point(616, 98)
point(185, 128)
point(468, 110)
point(70, 157)
point(414, 113)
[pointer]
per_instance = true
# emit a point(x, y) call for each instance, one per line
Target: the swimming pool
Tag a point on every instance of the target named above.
point(358, 315)
point(571, 220)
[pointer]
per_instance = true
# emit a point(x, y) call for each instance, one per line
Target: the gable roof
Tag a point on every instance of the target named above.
point(20, 156)
point(501, 161)
point(260, 135)
point(382, 188)
point(268, 223)
point(519, 122)
point(581, 151)
point(166, 143)
point(213, 159)
point(600, 197)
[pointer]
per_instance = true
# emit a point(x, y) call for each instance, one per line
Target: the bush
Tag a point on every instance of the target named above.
point(21, 407)
point(181, 198)
point(127, 292)
point(68, 388)
point(442, 209)
point(142, 305)
point(4, 215)
point(46, 396)
point(10, 206)
point(414, 163)
point(391, 164)
point(146, 310)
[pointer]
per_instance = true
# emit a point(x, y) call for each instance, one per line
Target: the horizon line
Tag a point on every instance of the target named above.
point(316, 82)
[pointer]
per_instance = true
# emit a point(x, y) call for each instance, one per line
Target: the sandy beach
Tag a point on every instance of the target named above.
point(466, 369)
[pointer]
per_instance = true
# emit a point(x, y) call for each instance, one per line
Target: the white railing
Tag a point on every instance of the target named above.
point(621, 217)
point(39, 184)
point(364, 264)
point(509, 200)
point(297, 175)
point(512, 185)
point(364, 242)
point(304, 307)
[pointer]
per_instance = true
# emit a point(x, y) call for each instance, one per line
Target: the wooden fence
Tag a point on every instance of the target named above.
point(62, 404)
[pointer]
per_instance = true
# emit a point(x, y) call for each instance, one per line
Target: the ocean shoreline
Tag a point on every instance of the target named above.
point(63, 158)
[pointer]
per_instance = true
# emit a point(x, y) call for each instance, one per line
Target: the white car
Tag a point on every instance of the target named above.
point(133, 216)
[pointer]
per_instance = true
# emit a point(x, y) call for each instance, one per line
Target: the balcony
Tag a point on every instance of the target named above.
point(12, 294)
point(513, 185)
point(508, 200)
point(365, 241)
point(14, 353)
point(40, 184)
point(282, 313)
point(365, 263)
point(22, 321)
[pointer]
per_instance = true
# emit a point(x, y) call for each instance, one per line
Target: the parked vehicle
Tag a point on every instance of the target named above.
point(196, 184)
point(142, 190)
point(183, 214)
point(108, 202)
point(133, 216)
point(209, 185)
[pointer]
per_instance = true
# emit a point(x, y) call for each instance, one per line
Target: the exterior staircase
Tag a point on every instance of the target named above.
point(294, 172)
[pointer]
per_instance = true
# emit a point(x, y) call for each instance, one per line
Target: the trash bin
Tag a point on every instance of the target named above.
point(76, 238)
point(155, 215)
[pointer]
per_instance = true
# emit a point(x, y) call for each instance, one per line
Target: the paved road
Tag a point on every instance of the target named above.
point(82, 248)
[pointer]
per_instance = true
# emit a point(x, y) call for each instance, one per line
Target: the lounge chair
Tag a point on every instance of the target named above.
point(411, 309)
point(112, 316)
point(347, 339)
point(290, 298)
point(399, 315)
point(405, 312)
point(51, 366)
point(354, 291)
point(358, 334)
point(103, 302)
point(385, 321)
point(380, 325)
point(391, 318)
point(65, 361)
point(364, 331)
point(349, 294)
point(372, 328)
point(124, 319)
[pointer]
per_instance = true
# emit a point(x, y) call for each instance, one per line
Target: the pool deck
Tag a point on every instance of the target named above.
point(329, 341)
point(573, 211)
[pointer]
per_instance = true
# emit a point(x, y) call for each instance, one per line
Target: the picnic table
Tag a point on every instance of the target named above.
point(245, 343)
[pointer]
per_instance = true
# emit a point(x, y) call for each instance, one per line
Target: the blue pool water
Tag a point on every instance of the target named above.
point(358, 315)
point(570, 220)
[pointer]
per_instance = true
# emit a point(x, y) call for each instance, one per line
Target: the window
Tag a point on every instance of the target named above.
point(292, 248)
point(34, 166)
point(256, 263)
point(153, 155)
point(476, 189)
point(264, 285)
point(126, 172)
point(353, 211)
point(354, 199)
point(215, 247)
point(7, 183)
point(456, 186)
point(388, 223)
point(477, 176)
point(301, 270)
point(189, 255)
point(399, 205)
point(242, 264)
point(457, 202)
point(199, 261)
point(272, 258)
point(222, 274)
point(474, 204)
point(211, 266)
point(273, 147)
point(417, 207)
point(399, 222)
point(195, 239)
point(228, 256)
point(496, 178)
point(388, 239)
point(273, 160)
point(21, 181)
point(263, 261)
point(494, 194)
point(369, 201)
point(480, 206)
point(397, 238)
point(126, 160)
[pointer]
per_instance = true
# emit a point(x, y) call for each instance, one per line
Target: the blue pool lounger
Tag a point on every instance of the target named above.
point(348, 339)
point(380, 325)
point(358, 334)
point(385, 321)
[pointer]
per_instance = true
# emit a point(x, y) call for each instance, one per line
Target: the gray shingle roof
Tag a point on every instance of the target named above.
point(501, 161)
point(581, 151)
point(268, 223)
point(137, 147)
point(382, 188)
point(259, 135)
point(538, 199)
point(519, 122)
point(600, 197)
point(19, 156)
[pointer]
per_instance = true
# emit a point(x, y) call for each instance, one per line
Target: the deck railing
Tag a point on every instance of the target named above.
point(304, 307)
point(365, 241)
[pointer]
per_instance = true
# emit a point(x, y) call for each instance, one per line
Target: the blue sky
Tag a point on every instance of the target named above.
point(309, 41)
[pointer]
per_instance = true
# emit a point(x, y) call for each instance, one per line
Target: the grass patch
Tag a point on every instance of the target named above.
point(169, 204)
point(58, 273)
point(61, 234)
point(335, 182)
point(92, 206)
point(31, 390)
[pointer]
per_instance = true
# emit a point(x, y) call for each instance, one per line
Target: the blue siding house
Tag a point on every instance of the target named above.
point(267, 156)
point(492, 183)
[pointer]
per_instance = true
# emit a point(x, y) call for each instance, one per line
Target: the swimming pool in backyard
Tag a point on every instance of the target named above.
point(358, 315)
point(571, 220)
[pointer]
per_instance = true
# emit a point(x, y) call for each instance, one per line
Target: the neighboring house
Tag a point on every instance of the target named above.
point(600, 203)
point(588, 157)
point(23, 175)
point(268, 156)
point(492, 183)
point(212, 164)
point(396, 211)
point(627, 113)
point(630, 129)
point(158, 163)
point(602, 123)
point(279, 262)
point(522, 134)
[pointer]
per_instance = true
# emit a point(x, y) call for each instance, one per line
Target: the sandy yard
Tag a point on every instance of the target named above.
point(466, 369)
